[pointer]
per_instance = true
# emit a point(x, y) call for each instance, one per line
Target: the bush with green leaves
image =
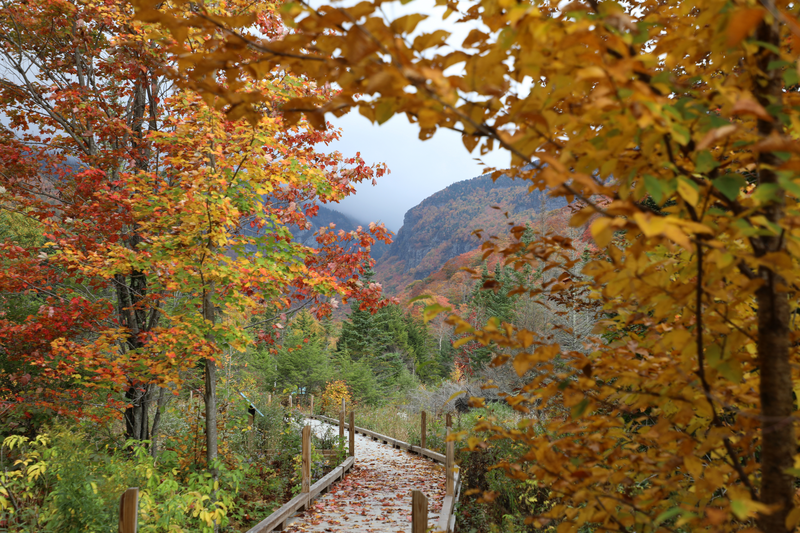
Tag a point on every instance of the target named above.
point(63, 482)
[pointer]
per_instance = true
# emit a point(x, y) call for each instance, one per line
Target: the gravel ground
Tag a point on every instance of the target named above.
point(375, 496)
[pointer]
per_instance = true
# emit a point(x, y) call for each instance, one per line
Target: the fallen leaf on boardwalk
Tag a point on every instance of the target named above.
point(376, 494)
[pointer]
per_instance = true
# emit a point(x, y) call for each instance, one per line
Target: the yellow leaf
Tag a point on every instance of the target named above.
point(407, 23)
point(526, 360)
point(650, 225)
point(591, 73)
point(688, 191)
point(694, 466)
point(525, 338)
point(602, 231)
point(793, 518)
point(677, 235)
point(452, 396)
point(431, 311)
point(745, 508)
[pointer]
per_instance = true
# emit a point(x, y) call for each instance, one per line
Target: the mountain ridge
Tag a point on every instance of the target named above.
point(442, 226)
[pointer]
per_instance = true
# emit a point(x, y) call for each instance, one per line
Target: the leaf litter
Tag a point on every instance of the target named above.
point(375, 495)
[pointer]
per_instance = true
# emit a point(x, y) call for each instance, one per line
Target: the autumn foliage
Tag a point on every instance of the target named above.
point(332, 396)
point(673, 125)
point(156, 230)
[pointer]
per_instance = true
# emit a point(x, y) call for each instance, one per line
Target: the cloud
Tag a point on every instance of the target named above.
point(418, 168)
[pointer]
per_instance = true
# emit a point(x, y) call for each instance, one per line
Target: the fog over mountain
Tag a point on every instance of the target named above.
point(418, 168)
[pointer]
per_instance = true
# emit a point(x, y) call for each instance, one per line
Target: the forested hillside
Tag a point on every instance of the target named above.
point(441, 227)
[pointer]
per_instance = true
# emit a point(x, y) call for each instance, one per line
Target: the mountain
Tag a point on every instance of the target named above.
point(326, 216)
point(441, 227)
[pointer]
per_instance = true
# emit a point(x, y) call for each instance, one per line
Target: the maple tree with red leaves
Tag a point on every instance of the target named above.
point(159, 224)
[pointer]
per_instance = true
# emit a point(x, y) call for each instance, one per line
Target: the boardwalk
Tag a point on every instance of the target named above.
point(376, 495)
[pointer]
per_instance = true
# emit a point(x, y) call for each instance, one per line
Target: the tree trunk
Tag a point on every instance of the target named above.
point(160, 404)
point(211, 391)
point(778, 444)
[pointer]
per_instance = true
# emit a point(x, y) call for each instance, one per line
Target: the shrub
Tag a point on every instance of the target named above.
point(332, 396)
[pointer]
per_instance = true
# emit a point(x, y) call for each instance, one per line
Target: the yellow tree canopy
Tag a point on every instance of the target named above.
point(673, 125)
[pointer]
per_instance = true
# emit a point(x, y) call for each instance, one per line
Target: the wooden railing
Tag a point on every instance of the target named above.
point(128, 509)
point(447, 517)
point(279, 518)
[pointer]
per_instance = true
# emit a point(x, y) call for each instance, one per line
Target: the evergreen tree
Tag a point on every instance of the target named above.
point(490, 300)
point(359, 377)
point(302, 361)
point(358, 331)
point(422, 346)
point(494, 301)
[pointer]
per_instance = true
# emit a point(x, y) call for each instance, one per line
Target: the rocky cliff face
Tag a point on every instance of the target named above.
point(441, 227)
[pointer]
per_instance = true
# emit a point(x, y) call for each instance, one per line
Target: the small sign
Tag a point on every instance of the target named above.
point(252, 407)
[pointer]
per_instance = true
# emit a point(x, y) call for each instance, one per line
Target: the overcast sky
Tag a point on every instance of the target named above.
point(418, 168)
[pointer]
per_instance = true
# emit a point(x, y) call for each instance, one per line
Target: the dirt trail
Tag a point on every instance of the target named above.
point(375, 496)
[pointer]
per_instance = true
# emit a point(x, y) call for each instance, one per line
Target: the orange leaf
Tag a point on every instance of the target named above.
point(748, 106)
point(715, 135)
point(777, 143)
point(742, 23)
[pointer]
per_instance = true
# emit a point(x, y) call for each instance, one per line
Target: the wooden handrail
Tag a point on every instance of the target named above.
point(447, 517)
point(438, 457)
point(277, 520)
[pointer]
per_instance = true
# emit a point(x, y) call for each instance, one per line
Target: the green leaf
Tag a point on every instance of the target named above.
point(778, 63)
point(385, 110)
point(666, 515)
point(791, 77)
point(786, 181)
point(769, 46)
point(656, 188)
point(681, 134)
point(731, 370)
point(705, 162)
point(729, 185)
point(507, 38)
point(578, 410)
point(767, 192)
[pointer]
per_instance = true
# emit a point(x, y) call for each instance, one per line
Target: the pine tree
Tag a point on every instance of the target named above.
point(490, 297)
point(302, 361)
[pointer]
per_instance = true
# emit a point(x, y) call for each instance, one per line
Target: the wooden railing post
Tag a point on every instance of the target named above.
point(341, 424)
point(449, 466)
point(251, 435)
point(352, 434)
point(419, 512)
point(423, 429)
point(311, 409)
point(129, 511)
point(306, 460)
